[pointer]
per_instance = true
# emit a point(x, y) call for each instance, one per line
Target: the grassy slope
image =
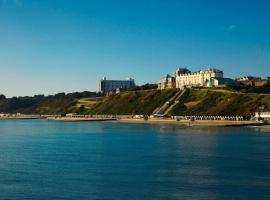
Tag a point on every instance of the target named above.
point(193, 102)
point(60, 105)
point(210, 102)
point(132, 102)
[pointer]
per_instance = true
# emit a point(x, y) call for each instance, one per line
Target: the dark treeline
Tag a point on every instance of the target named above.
point(60, 103)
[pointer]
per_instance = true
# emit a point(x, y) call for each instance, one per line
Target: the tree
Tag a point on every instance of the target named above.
point(2, 97)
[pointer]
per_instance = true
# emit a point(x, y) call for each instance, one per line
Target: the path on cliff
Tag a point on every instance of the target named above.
point(176, 101)
point(168, 105)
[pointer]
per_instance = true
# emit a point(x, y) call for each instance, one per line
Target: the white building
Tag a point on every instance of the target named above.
point(111, 85)
point(186, 78)
point(262, 115)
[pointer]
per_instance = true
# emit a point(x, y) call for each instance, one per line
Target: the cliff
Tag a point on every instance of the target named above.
point(189, 102)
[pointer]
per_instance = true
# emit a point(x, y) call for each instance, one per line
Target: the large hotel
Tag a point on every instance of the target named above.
point(185, 78)
point(111, 85)
point(202, 78)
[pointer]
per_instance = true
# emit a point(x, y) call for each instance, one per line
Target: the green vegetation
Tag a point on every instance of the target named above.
point(132, 102)
point(54, 104)
point(247, 89)
point(220, 102)
point(147, 86)
point(192, 102)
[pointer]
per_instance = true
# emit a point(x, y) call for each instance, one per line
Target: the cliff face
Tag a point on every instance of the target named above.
point(132, 102)
point(220, 102)
point(192, 102)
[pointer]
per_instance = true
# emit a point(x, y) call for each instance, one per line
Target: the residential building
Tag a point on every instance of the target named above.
point(167, 82)
point(111, 85)
point(261, 83)
point(186, 78)
point(253, 81)
point(222, 82)
point(248, 80)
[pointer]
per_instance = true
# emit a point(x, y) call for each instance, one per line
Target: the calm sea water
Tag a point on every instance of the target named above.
point(66, 160)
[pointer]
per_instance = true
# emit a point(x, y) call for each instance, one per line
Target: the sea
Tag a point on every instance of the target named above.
point(51, 160)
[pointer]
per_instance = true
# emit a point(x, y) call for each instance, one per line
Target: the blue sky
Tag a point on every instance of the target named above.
point(50, 46)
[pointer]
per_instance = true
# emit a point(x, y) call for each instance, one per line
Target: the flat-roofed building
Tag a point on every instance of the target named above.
point(111, 85)
point(253, 81)
point(185, 78)
point(222, 82)
point(248, 80)
point(261, 83)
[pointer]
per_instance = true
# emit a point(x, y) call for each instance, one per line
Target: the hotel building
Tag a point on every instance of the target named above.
point(111, 85)
point(186, 78)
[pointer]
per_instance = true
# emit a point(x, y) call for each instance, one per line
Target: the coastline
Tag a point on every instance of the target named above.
point(164, 121)
point(151, 120)
point(195, 122)
point(21, 117)
point(80, 119)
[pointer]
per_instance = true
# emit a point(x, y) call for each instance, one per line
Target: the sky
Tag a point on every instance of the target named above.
point(51, 46)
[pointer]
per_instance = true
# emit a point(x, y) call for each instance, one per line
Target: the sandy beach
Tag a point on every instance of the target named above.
point(152, 120)
point(196, 122)
point(80, 119)
point(20, 117)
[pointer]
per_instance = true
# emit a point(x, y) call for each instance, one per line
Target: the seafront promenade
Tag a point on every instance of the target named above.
point(197, 122)
point(81, 119)
point(186, 120)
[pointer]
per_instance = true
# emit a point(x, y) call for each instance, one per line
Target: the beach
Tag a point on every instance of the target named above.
point(196, 122)
point(80, 119)
point(164, 120)
point(21, 117)
point(150, 120)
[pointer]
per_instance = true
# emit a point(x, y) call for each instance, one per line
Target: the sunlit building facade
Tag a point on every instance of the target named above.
point(185, 78)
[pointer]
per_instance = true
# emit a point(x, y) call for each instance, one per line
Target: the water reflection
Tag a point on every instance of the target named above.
point(70, 160)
